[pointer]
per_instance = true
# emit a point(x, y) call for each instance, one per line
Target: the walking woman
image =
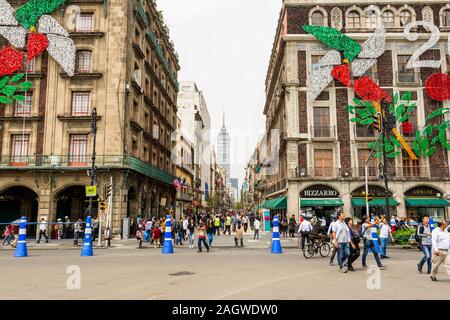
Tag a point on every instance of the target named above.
point(7, 235)
point(368, 241)
point(191, 233)
point(202, 236)
point(210, 230)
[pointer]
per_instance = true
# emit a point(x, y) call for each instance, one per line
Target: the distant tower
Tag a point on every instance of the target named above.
point(223, 150)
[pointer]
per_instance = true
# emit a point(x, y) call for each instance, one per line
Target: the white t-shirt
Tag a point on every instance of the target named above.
point(384, 230)
point(256, 224)
point(185, 224)
point(305, 226)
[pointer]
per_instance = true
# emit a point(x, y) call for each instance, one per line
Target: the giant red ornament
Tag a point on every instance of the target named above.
point(37, 43)
point(10, 61)
point(342, 73)
point(370, 91)
point(407, 127)
point(437, 87)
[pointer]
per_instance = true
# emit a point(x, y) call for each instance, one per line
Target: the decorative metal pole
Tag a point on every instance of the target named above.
point(385, 123)
point(93, 168)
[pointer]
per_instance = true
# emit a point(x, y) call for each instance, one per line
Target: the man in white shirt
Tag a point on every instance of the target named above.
point(304, 229)
point(440, 239)
point(185, 227)
point(43, 230)
point(256, 225)
point(341, 236)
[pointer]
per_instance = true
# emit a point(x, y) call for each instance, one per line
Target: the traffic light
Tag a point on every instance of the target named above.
point(377, 125)
point(103, 206)
point(108, 191)
point(389, 121)
point(368, 198)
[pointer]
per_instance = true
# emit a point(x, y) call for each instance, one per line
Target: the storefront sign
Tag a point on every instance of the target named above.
point(374, 191)
point(423, 191)
point(319, 191)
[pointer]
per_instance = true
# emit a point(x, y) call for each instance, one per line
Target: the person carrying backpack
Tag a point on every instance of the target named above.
point(423, 237)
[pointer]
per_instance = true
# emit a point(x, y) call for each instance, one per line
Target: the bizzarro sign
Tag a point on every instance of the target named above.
point(319, 191)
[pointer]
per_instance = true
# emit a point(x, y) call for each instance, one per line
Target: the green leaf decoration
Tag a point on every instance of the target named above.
point(444, 125)
point(391, 108)
point(367, 122)
point(9, 90)
point(350, 109)
point(334, 39)
point(430, 152)
point(428, 130)
point(435, 140)
point(19, 98)
point(5, 100)
point(443, 139)
point(355, 120)
point(406, 96)
point(25, 85)
point(411, 108)
point(424, 145)
point(395, 142)
point(403, 119)
point(389, 148)
point(378, 155)
point(358, 102)
point(436, 113)
point(396, 98)
point(17, 77)
point(28, 14)
point(399, 111)
point(393, 154)
point(416, 147)
point(3, 82)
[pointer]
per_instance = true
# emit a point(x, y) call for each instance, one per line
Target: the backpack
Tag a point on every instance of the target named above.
point(416, 235)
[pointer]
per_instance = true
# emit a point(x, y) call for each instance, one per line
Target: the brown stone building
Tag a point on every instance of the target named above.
point(321, 152)
point(126, 68)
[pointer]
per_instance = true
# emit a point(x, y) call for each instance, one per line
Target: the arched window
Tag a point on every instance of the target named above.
point(318, 19)
point(405, 17)
point(446, 18)
point(388, 18)
point(353, 20)
point(371, 19)
point(84, 61)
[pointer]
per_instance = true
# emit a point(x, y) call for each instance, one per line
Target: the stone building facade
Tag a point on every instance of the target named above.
point(319, 147)
point(126, 68)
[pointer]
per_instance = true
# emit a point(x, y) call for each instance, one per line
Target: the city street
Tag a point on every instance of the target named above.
point(252, 272)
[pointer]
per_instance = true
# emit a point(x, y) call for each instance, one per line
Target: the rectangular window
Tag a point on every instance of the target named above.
point(322, 122)
point(363, 155)
point(80, 103)
point(85, 22)
point(404, 74)
point(323, 163)
point(365, 131)
point(78, 149)
point(28, 66)
point(23, 108)
point(20, 149)
point(411, 168)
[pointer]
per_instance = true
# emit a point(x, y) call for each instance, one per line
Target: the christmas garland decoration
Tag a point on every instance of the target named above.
point(367, 108)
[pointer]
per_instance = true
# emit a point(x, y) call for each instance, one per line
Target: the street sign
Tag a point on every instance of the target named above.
point(91, 191)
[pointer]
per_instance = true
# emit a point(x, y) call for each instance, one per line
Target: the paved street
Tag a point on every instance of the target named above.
point(124, 272)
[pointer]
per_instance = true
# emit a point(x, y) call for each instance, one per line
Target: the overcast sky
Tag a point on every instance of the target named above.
point(224, 46)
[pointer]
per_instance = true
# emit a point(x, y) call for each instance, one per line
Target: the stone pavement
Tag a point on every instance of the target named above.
point(219, 275)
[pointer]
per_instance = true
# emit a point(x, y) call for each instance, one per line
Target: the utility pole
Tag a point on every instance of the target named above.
point(388, 123)
point(93, 173)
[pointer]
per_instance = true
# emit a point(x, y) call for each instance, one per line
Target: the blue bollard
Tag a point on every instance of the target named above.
point(87, 250)
point(21, 247)
point(168, 245)
point(276, 243)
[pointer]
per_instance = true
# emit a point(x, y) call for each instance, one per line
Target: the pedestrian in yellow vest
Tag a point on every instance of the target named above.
point(228, 225)
point(217, 225)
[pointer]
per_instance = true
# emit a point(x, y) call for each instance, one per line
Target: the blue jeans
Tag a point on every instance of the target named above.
point(426, 249)
point(368, 244)
point(384, 243)
point(343, 253)
point(210, 238)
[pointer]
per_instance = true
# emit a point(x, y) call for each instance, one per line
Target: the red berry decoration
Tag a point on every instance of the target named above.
point(437, 87)
point(10, 61)
point(342, 73)
point(407, 127)
point(37, 43)
point(370, 91)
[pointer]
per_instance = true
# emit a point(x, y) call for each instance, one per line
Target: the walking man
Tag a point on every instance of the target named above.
point(368, 241)
point(424, 233)
point(292, 225)
point(354, 245)
point(385, 235)
point(239, 237)
point(78, 232)
point(43, 230)
point(228, 225)
point(441, 245)
point(217, 225)
point(202, 235)
point(256, 226)
point(341, 236)
point(67, 227)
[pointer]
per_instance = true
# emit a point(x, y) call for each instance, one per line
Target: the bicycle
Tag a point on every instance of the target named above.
point(319, 245)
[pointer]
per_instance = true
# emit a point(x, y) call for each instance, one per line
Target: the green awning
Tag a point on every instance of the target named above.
point(266, 204)
point(280, 203)
point(427, 202)
point(321, 203)
point(377, 202)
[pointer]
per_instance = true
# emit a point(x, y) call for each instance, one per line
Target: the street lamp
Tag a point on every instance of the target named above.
point(93, 173)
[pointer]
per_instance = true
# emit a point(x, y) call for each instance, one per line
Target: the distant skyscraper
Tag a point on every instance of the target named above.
point(223, 150)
